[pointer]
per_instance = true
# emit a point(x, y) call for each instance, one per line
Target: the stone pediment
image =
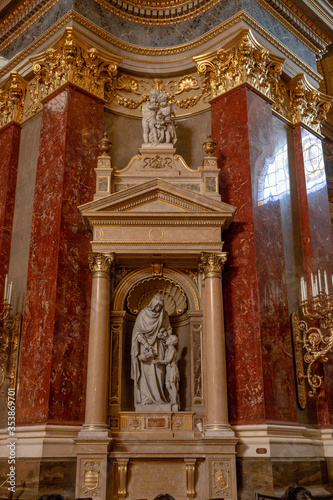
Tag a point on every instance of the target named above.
point(157, 217)
point(156, 196)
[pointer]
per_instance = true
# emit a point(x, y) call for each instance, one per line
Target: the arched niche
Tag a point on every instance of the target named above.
point(182, 302)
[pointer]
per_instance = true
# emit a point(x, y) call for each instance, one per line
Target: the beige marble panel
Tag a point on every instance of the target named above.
point(25, 189)
point(147, 479)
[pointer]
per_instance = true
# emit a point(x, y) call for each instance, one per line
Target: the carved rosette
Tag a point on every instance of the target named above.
point(12, 96)
point(243, 60)
point(100, 264)
point(211, 265)
point(307, 105)
point(71, 60)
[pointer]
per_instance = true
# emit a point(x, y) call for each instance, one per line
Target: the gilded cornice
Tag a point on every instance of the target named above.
point(307, 104)
point(12, 96)
point(70, 60)
point(151, 52)
point(242, 60)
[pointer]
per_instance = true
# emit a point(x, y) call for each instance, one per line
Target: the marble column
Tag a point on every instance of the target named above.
point(216, 400)
point(98, 350)
point(259, 350)
point(53, 362)
point(9, 147)
point(316, 235)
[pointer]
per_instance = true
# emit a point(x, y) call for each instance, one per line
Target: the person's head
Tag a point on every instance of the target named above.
point(297, 493)
point(157, 302)
point(164, 496)
point(51, 496)
point(153, 96)
point(163, 99)
point(172, 340)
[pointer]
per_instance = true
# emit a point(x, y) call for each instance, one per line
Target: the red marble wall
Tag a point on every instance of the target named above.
point(317, 239)
point(9, 147)
point(260, 367)
point(52, 374)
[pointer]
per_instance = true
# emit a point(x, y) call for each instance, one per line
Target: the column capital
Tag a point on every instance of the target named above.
point(12, 96)
point(307, 104)
point(100, 264)
point(211, 264)
point(71, 60)
point(242, 60)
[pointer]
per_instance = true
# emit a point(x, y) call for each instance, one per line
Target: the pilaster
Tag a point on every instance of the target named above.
point(11, 106)
point(72, 76)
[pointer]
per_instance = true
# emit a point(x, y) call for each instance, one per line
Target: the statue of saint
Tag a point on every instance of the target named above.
point(150, 336)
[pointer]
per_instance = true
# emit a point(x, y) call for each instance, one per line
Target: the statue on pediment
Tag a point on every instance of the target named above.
point(158, 120)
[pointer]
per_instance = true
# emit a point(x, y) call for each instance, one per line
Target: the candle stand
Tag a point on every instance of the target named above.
point(312, 343)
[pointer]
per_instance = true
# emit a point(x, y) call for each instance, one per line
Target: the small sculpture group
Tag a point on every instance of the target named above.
point(157, 121)
point(154, 357)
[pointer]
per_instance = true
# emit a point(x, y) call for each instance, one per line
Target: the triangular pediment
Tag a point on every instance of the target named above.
point(156, 196)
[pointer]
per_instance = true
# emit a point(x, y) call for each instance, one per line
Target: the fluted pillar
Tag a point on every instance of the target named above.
point(98, 350)
point(216, 399)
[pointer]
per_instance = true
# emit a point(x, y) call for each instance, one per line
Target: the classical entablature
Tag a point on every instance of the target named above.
point(157, 216)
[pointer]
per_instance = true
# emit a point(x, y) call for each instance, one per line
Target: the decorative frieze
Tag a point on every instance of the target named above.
point(12, 96)
point(70, 60)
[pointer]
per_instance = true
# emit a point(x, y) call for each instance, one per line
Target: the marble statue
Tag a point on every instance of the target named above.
point(149, 110)
point(165, 124)
point(158, 120)
point(153, 353)
point(172, 372)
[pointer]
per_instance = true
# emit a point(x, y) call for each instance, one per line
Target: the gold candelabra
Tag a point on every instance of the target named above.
point(10, 331)
point(312, 343)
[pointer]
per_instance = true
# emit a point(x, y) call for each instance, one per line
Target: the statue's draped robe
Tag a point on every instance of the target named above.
point(148, 377)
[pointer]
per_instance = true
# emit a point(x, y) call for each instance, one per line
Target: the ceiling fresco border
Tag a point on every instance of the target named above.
point(170, 12)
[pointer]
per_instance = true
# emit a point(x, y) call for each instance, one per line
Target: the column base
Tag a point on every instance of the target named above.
point(216, 430)
point(94, 430)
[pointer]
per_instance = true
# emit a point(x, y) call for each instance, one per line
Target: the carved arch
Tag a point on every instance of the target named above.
point(180, 278)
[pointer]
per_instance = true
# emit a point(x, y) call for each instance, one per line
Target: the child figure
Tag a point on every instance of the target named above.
point(172, 372)
point(164, 120)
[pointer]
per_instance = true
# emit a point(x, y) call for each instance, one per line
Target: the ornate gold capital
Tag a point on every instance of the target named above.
point(307, 104)
point(71, 60)
point(100, 264)
point(12, 95)
point(242, 60)
point(211, 265)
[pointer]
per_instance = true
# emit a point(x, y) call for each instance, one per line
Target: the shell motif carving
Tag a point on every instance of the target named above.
point(140, 295)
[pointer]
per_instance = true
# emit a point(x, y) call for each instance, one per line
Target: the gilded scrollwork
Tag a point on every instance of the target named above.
point(70, 60)
point(211, 264)
point(243, 60)
point(307, 105)
point(12, 96)
point(124, 83)
point(100, 264)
